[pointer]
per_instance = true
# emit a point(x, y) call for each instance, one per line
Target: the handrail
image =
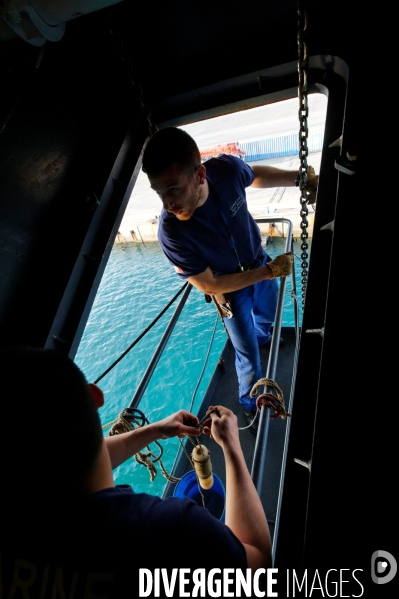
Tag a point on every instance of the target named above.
point(259, 459)
point(287, 431)
point(158, 352)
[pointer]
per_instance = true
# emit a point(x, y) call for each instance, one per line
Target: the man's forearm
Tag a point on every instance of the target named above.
point(244, 511)
point(123, 446)
point(211, 285)
point(270, 176)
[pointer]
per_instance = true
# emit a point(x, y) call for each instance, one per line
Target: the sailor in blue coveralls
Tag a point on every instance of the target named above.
point(211, 239)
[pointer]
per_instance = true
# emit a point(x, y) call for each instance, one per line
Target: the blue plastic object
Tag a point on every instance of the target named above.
point(214, 498)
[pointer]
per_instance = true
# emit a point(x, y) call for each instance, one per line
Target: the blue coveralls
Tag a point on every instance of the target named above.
point(254, 309)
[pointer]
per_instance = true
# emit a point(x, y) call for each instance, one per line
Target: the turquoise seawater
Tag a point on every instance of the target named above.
point(137, 285)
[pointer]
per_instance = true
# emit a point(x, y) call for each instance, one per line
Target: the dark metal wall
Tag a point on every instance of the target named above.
point(67, 108)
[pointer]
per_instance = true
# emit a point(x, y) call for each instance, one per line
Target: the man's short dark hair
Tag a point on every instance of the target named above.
point(170, 146)
point(51, 431)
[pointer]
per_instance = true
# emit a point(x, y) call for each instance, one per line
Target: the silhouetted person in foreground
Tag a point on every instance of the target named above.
point(67, 530)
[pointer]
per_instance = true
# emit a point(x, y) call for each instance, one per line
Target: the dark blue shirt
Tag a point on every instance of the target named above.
point(223, 222)
point(97, 548)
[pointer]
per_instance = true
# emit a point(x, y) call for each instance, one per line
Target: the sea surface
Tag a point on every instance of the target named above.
point(138, 283)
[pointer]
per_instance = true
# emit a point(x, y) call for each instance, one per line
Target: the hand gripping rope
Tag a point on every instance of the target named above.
point(129, 419)
point(200, 460)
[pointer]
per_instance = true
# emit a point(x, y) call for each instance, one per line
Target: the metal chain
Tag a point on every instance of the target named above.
point(303, 137)
point(119, 43)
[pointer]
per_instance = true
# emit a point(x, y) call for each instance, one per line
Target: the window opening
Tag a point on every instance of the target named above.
point(138, 281)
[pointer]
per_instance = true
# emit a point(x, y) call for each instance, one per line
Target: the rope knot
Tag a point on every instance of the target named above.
point(275, 402)
point(121, 425)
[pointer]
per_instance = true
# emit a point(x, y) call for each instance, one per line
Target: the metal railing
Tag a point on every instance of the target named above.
point(158, 352)
point(259, 459)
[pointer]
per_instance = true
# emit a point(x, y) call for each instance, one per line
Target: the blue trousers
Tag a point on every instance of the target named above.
point(254, 310)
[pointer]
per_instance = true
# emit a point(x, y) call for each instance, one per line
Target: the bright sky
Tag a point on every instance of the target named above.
point(254, 124)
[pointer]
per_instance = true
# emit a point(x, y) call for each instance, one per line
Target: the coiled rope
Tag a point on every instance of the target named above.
point(275, 402)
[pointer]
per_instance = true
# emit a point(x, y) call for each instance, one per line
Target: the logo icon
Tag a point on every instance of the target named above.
point(383, 567)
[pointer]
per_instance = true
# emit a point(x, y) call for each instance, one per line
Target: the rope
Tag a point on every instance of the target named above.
point(141, 335)
point(196, 388)
point(275, 402)
point(205, 363)
point(244, 428)
point(128, 420)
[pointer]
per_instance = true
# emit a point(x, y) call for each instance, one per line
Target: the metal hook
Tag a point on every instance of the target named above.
point(303, 463)
point(318, 331)
point(328, 227)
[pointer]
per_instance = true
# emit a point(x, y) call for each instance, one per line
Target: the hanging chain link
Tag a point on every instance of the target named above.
point(119, 44)
point(303, 138)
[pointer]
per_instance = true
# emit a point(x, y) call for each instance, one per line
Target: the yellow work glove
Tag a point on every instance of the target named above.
point(311, 185)
point(282, 265)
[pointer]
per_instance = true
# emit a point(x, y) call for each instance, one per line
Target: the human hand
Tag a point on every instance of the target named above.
point(312, 181)
point(180, 424)
point(222, 425)
point(282, 265)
